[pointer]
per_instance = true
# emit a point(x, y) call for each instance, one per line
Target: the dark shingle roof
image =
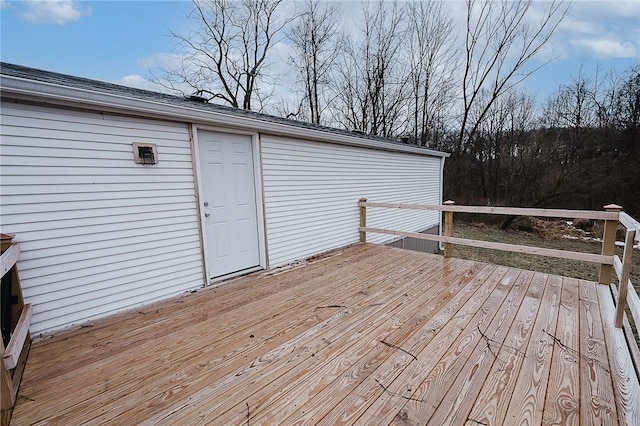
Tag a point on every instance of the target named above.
point(65, 80)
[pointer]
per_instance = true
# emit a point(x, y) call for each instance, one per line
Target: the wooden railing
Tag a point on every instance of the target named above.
point(14, 356)
point(624, 296)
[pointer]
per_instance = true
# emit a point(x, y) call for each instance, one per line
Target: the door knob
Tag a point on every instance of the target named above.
point(207, 214)
point(206, 203)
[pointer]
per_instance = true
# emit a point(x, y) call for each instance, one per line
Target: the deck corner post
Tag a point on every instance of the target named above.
point(363, 219)
point(448, 228)
point(608, 244)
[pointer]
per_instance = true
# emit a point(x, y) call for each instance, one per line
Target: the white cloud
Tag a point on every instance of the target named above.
point(139, 82)
point(606, 9)
point(3, 4)
point(552, 52)
point(600, 30)
point(160, 60)
point(608, 48)
point(53, 11)
point(573, 25)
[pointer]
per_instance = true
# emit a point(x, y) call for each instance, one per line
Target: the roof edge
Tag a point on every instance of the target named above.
point(34, 90)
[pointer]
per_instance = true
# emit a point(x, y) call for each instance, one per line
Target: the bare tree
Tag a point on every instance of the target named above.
point(572, 106)
point(499, 45)
point(226, 54)
point(371, 87)
point(628, 103)
point(510, 162)
point(432, 65)
point(314, 41)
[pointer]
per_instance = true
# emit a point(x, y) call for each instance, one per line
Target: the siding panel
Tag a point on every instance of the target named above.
point(311, 192)
point(98, 233)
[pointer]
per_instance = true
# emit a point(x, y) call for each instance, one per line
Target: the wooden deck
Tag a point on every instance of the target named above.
point(369, 335)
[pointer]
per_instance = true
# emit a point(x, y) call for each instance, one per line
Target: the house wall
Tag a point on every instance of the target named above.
point(311, 192)
point(98, 233)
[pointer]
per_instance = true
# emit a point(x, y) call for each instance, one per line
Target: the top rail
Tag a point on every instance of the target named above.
point(513, 211)
point(9, 258)
point(631, 224)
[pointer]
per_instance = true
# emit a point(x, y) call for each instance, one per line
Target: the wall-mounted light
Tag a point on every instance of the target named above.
point(145, 153)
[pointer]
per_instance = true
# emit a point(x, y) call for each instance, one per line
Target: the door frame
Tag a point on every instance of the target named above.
point(260, 216)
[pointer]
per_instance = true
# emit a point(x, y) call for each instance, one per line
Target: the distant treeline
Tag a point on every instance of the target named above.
point(580, 151)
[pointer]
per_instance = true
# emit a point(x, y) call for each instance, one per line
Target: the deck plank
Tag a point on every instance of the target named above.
point(597, 404)
point(303, 345)
point(427, 346)
point(213, 362)
point(562, 405)
point(490, 324)
point(528, 397)
point(108, 378)
point(395, 329)
point(431, 317)
point(402, 384)
point(492, 359)
point(491, 403)
point(170, 316)
point(293, 362)
point(399, 297)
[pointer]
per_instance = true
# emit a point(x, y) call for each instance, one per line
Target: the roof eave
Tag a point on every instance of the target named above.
point(21, 88)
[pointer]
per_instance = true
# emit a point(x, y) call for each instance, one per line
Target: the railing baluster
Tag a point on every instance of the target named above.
point(624, 276)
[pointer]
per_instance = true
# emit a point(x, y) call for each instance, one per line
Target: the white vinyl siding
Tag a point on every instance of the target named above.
point(311, 193)
point(98, 233)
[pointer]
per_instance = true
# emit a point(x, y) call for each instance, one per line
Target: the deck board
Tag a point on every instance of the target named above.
point(493, 356)
point(597, 405)
point(393, 327)
point(364, 335)
point(562, 403)
point(440, 372)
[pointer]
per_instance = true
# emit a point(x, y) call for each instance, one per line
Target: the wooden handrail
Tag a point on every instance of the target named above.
point(9, 258)
point(509, 211)
point(630, 223)
point(562, 254)
point(20, 333)
point(610, 216)
point(14, 357)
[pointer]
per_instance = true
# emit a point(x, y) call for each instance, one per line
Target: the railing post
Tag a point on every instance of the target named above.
point(608, 244)
point(623, 285)
point(363, 219)
point(448, 228)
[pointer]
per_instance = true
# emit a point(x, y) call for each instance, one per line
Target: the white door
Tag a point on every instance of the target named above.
point(229, 202)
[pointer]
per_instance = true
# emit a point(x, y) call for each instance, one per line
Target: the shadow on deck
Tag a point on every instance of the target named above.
point(366, 335)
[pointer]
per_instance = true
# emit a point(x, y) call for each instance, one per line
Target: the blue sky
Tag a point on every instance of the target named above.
point(105, 40)
point(122, 41)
